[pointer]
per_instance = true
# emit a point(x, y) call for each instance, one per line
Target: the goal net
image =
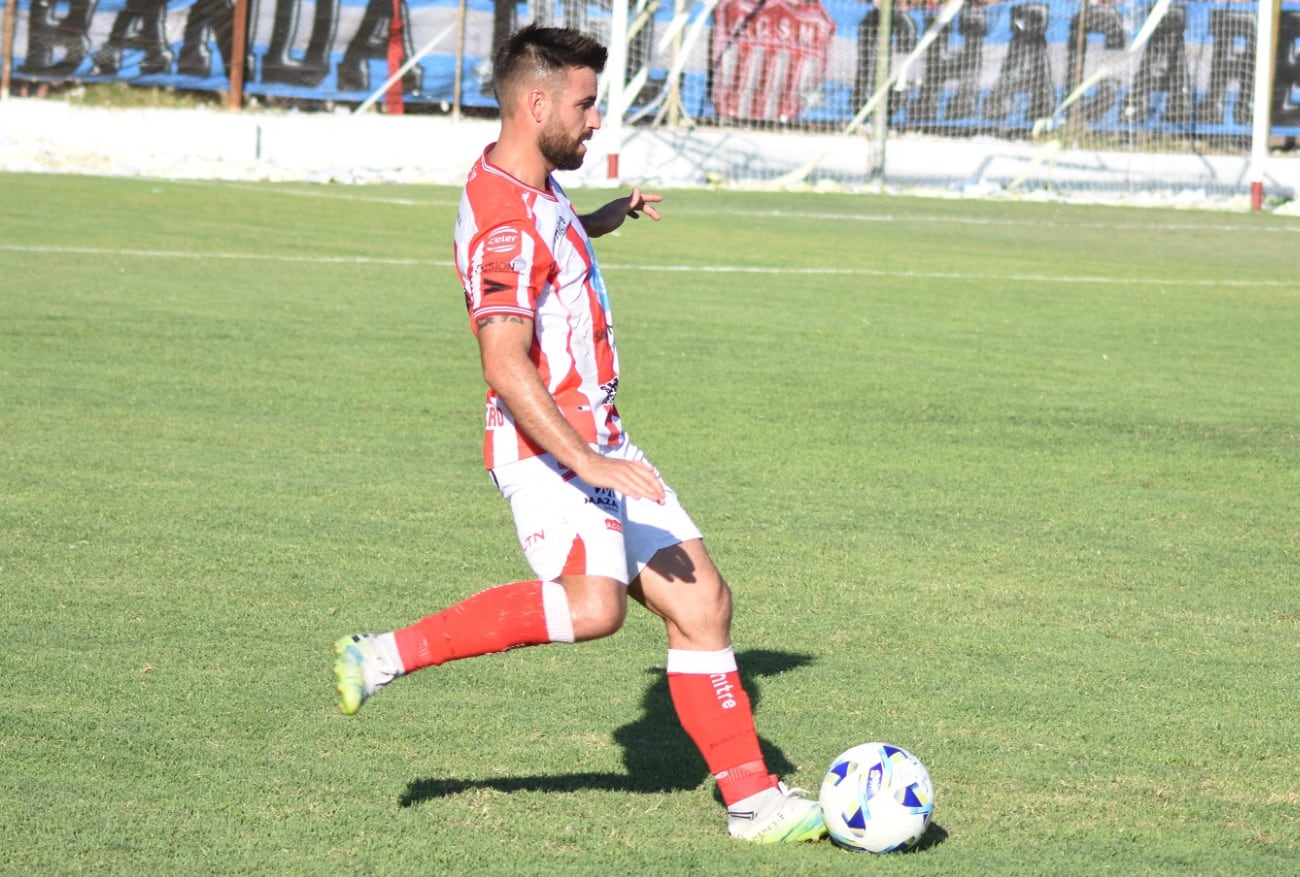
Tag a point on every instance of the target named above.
point(1027, 93)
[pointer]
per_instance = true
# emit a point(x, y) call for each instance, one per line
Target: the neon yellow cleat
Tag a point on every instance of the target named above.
point(360, 669)
point(785, 816)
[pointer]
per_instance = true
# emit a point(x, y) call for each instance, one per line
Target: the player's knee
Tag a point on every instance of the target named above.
point(704, 615)
point(597, 612)
point(596, 621)
point(712, 608)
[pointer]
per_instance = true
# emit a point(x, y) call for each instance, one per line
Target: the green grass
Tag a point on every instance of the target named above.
point(121, 95)
point(1012, 485)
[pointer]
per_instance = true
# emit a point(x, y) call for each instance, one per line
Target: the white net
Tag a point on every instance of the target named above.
point(1057, 93)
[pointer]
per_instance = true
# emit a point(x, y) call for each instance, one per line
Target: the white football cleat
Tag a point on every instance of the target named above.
point(780, 815)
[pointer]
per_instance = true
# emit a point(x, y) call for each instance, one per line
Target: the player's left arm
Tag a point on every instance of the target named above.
point(611, 216)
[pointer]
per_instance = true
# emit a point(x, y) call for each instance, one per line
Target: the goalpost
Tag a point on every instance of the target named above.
point(1264, 65)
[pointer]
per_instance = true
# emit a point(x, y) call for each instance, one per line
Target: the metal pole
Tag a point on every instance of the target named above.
point(616, 72)
point(1080, 54)
point(238, 54)
point(457, 75)
point(1265, 46)
point(673, 106)
point(880, 119)
point(7, 47)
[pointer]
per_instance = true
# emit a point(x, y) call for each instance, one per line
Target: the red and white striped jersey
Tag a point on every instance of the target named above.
point(522, 251)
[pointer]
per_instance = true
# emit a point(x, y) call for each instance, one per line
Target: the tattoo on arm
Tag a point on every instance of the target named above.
point(499, 318)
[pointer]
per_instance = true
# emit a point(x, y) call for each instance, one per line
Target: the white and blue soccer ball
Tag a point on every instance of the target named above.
point(877, 798)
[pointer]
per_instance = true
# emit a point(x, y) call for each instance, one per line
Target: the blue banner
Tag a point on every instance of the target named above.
point(998, 67)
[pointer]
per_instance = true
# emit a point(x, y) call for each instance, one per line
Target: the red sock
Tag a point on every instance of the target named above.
point(716, 714)
point(500, 618)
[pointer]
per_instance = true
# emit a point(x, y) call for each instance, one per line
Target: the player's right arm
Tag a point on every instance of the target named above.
point(504, 343)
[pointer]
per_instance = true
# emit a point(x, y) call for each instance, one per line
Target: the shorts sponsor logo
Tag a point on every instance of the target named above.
point(532, 540)
point(611, 524)
point(605, 498)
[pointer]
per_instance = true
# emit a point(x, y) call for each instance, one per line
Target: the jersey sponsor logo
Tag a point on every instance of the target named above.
point(503, 240)
point(611, 524)
point(517, 265)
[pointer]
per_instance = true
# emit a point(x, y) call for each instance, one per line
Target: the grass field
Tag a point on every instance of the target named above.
point(1011, 485)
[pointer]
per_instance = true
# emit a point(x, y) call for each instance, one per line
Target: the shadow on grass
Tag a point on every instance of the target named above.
point(934, 835)
point(658, 755)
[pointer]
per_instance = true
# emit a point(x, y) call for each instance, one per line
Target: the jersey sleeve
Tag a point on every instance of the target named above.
point(509, 268)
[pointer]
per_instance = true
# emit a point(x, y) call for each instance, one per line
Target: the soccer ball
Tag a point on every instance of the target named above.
point(877, 798)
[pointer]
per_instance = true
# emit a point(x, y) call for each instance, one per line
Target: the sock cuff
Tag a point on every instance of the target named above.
point(744, 771)
point(699, 663)
point(555, 606)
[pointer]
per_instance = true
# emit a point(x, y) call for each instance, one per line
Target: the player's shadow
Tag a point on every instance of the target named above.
point(658, 755)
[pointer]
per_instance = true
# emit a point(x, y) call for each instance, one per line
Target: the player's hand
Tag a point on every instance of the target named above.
point(633, 478)
point(643, 202)
point(612, 216)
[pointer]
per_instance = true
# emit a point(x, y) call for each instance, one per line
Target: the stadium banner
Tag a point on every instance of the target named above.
point(997, 67)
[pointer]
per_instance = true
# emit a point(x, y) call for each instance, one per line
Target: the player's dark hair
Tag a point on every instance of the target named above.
point(543, 52)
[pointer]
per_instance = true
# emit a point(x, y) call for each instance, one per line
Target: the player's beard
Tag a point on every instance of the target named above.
point(563, 152)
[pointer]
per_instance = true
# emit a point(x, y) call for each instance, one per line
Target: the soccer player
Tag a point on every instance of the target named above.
point(594, 519)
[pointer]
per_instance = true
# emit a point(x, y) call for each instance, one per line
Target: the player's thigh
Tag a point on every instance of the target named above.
point(565, 527)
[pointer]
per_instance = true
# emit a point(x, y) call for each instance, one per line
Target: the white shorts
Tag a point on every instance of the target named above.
point(567, 527)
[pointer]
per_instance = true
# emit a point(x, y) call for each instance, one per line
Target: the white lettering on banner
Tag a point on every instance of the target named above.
point(788, 61)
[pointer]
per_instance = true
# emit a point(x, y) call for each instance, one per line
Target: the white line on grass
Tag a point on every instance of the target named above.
point(236, 257)
point(335, 193)
point(946, 219)
point(680, 269)
point(332, 194)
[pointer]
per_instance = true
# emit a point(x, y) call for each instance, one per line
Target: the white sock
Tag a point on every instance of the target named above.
point(390, 661)
point(559, 620)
